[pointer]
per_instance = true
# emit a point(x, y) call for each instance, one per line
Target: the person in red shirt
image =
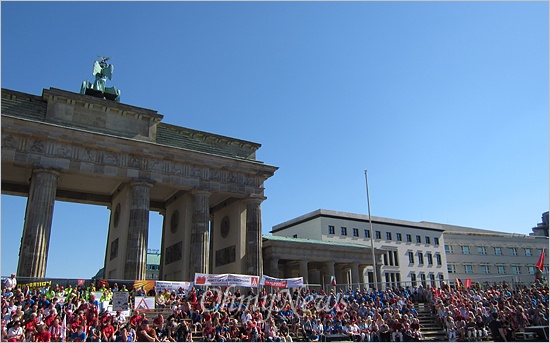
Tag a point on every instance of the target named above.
point(42, 335)
point(108, 331)
point(136, 319)
point(30, 325)
point(209, 332)
point(51, 317)
point(146, 333)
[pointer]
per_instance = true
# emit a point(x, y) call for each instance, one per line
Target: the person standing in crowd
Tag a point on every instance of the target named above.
point(10, 283)
point(497, 329)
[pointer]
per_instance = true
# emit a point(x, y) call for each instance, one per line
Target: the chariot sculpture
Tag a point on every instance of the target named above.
point(102, 72)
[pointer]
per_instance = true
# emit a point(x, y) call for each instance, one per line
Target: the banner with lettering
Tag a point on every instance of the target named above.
point(282, 283)
point(226, 280)
point(172, 286)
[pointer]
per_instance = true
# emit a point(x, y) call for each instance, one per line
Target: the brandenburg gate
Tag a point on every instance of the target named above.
point(80, 148)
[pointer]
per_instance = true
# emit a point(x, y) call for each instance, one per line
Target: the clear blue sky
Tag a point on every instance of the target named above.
point(445, 103)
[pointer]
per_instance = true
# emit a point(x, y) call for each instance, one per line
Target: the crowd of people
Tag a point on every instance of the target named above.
point(499, 312)
point(56, 313)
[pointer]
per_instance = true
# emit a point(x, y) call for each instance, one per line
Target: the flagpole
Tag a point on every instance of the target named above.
point(371, 234)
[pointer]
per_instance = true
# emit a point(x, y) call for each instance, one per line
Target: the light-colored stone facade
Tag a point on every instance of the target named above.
point(74, 147)
point(487, 256)
point(423, 252)
point(413, 252)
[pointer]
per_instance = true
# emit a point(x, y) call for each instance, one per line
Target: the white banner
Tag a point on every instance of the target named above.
point(282, 283)
point(120, 301)
point(226, 280)
point(144, 303)
point(173, 286)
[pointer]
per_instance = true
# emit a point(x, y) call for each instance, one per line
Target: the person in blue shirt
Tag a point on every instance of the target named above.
point(79, 335)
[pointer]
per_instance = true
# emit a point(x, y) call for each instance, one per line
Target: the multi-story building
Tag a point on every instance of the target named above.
point(413, 252)
point(487, 256)
point(425, 253)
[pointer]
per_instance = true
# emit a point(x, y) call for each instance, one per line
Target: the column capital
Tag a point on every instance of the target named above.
point(198, 191)
point(145, 183)
point(255, 198)
point(46, 170)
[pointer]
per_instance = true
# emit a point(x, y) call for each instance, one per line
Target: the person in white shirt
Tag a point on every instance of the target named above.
point(246, 317)
point(15, 332)
point(11, 282)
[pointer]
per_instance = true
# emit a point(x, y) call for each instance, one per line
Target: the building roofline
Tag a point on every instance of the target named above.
point(315, 241)
point(357, 217)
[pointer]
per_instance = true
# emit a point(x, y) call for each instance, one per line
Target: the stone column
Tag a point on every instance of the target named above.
point(138, 231)
point(254, 264)
point(304, 272)
point(33, 253)
point(274, 267)
point(162, 246)
point(287, 270)
point(362, 278)
point(355, 274)
point(378, 272)
point(330, 272)
point(199, 233)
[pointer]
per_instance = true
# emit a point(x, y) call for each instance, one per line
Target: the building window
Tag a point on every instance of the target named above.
point(411, 257)
point(418, 239)
point(430, 259)
point(501, 270)
point(420, 258)
point(498, 251)
point(409, 238)
point(432, 280)
point(390, 257)
point(367, 233)
point(441, 279)
point(482, 250)
point(531, 270)
point(451, 268)
point(385, 259)
point(484, 268)
point(331, 229)
point(355, 232)
point(513, 251)
point(413, 279)
point(436, 241)
point(528, 252)
point(388, 236)
point(344, 231)
point(448, 249)
point(516, 270)
point(398, 237)
point(466, 249)
point(423, 279)
point(395, 258)
point(427, 239)
point(438, 259)
point(378, 235)
point(468, 269)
